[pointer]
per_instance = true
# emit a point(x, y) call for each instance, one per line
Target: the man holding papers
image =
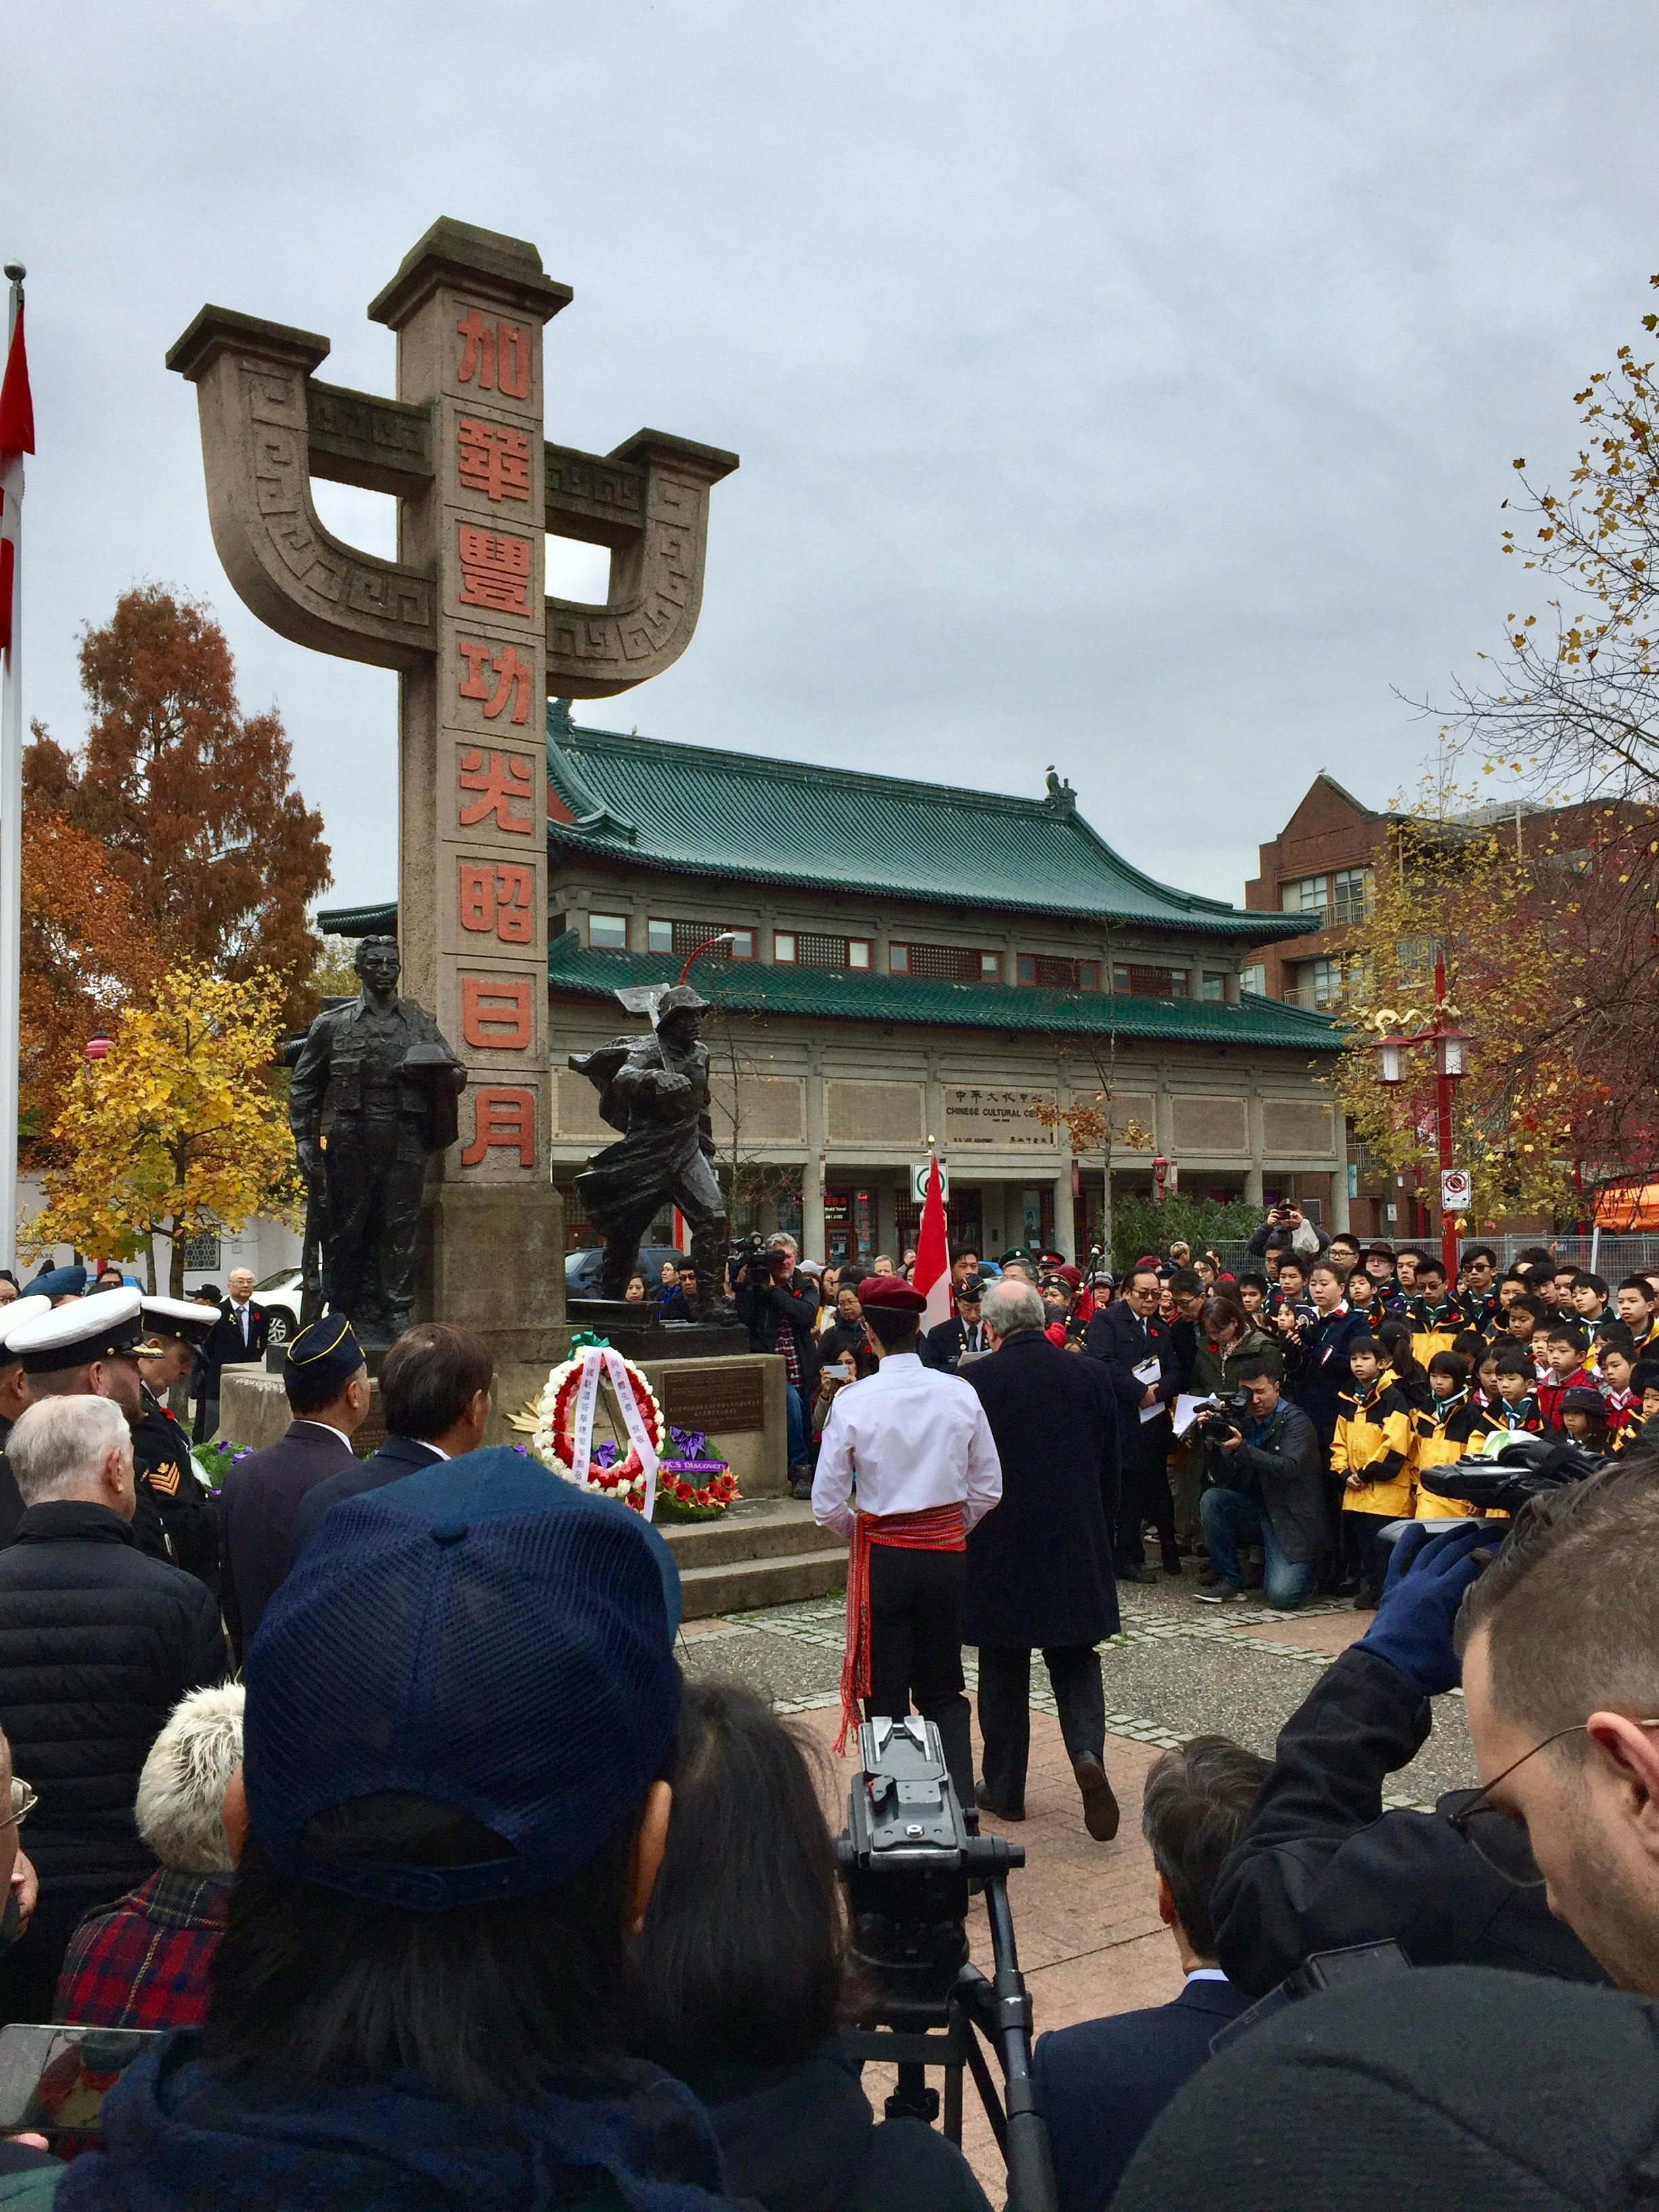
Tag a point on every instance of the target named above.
point(1136, 1347)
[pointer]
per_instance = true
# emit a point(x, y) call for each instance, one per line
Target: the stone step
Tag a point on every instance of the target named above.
point(755, 1528)
point(744, 1585)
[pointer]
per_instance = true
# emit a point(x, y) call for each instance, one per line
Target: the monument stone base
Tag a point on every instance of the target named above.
point(638, 1334)
point(738, 1404)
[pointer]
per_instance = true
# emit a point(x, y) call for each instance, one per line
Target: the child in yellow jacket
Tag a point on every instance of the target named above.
point(1455, 1426)
point(1372, 1452)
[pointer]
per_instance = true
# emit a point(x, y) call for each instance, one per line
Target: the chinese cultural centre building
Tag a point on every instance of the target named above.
point(909, 962)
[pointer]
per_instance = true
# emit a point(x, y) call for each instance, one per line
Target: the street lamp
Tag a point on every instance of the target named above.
point(1450, 1065)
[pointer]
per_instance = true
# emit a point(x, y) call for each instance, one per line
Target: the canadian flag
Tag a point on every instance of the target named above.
point(932, 1273)
point(16, 439)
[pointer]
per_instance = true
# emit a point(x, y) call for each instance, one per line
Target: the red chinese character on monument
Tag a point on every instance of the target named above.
point(493, 460)
point(496, 1012)
point(496, 354)
point(495, 571)
point(504, 1118)
point(512, 678)
point(496, 900)
point(503, 780)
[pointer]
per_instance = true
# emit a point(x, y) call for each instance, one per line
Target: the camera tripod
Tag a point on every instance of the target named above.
point(951, 2027)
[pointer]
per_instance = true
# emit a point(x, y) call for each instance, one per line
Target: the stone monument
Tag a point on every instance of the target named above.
point(463, 616)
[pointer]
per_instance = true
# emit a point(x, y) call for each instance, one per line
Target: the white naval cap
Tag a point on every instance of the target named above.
point(15, 1315)
point(105, 1325)
point(184, 1318)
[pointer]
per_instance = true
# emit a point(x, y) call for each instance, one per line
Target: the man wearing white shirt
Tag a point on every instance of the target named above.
point(908, 1467)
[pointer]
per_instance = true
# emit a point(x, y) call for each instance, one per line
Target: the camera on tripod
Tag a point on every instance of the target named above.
point(908, 1860)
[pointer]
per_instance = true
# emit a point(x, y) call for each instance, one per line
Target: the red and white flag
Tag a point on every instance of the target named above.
point(932, 1273)
point(16, 439)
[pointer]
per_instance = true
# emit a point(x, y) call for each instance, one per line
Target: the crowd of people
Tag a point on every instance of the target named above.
point(374, 1780)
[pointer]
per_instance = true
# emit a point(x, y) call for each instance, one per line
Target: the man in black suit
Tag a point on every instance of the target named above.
point(1040, 1567)
point(241, 1334)
point(435, 1394)
point(327, 1383)
point(1102, 2083)
point(944, 1345)
point(1129, 1336)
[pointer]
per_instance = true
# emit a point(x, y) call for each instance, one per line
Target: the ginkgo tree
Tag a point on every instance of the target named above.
point(180, 1127)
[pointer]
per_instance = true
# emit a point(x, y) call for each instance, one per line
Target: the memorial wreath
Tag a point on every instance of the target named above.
point(560, 1426)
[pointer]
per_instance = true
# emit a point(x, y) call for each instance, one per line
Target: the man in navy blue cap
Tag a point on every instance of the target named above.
point(326, 1380)
point(461, 1708)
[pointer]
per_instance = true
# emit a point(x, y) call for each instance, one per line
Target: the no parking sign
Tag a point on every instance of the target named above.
point(1454, 1190)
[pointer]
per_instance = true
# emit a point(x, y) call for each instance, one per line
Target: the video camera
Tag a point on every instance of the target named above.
point(1501, 1483)
point(908, 1860)
point(1220, 1417)
point(749, 1252)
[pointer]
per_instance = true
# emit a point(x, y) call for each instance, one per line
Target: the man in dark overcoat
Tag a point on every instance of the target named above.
point(1041, 1577)
point(1136, 1348)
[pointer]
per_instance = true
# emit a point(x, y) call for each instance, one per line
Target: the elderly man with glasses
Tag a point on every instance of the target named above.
point(1321, 1865)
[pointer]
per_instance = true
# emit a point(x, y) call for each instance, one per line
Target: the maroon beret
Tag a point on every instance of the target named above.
point(893, 1292)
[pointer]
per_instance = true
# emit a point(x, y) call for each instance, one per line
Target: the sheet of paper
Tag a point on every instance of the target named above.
point(1147, 1373)
point(1186, 1410)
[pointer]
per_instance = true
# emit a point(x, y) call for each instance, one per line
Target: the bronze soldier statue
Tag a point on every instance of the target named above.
point(389, 1081)
point(655, 1091)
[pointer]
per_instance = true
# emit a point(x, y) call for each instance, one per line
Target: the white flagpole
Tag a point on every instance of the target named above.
point(11, 842)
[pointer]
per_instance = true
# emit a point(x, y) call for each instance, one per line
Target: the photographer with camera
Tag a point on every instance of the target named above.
point(1320, 1865)
point(778, 1306)
point(1268, 1476)
point(1286, 1222)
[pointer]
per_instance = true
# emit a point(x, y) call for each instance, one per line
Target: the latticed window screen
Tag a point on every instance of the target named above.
point(202, 1248)
point(1150, 983)
point(814, 950)
point(1053, 972)
point(941, 963)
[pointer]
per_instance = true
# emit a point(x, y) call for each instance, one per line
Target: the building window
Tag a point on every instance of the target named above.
point(683, 938)
point(1327, 982)
point(202, 1248)
point(945, 963)
point(1255, 978)
point(1307, 895)
point(1351, 896)
point(1215, 988)
point(1141, 983)
point(1051, 971)
point(608, 932)
point(810, 948)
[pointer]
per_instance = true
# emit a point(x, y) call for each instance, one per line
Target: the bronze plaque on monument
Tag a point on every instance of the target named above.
point(721, 1402)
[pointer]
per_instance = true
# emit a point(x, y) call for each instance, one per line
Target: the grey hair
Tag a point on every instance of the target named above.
point(1007, 1307)
point(782, 1237)
point(57, 1442)
point(182, 1789)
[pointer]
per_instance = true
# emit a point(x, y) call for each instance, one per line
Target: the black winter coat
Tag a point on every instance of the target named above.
point(175, 1520)
point(257, 1507)
point(763, 1304)
point(1284, 1467)
point(1320, 1865)
point(97, 1645)
point(1317, 1364)
point(1040, 1565)
point(1117, 1339)
point(803, 2139)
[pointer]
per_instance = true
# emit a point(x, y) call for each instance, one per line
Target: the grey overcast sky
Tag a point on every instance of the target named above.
point(1131, 386)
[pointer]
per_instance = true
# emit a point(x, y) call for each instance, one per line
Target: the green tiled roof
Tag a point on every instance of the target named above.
point(359, 921)
point(748, 986)
point(691, 810)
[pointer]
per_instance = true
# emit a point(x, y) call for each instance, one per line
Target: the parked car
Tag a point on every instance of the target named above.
point(279, 1294)
point(581, 1270)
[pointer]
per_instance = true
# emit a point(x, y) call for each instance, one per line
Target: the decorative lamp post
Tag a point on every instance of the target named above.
point(96, 1048)
point(1450, 1045)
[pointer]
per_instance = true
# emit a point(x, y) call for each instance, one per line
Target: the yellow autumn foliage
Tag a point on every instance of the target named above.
point(180, 1127)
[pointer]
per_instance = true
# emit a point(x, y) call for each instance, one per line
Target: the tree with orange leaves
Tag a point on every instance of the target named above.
point(191, 800)
point(88, 951)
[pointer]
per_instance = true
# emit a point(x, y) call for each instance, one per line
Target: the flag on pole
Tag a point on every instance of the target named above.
point(932, 1275)
point(16, 439)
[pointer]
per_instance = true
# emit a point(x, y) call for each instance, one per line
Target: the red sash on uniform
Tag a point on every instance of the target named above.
point(936, 1529)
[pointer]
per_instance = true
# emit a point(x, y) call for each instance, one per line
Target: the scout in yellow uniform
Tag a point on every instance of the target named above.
point(1455, 1426)
point(1437, 1318)
point(1372, 1452)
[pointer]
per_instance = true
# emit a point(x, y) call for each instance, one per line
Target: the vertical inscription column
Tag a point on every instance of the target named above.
point(473, 889)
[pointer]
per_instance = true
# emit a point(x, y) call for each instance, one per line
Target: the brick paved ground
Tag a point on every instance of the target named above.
point(1087, 1927)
